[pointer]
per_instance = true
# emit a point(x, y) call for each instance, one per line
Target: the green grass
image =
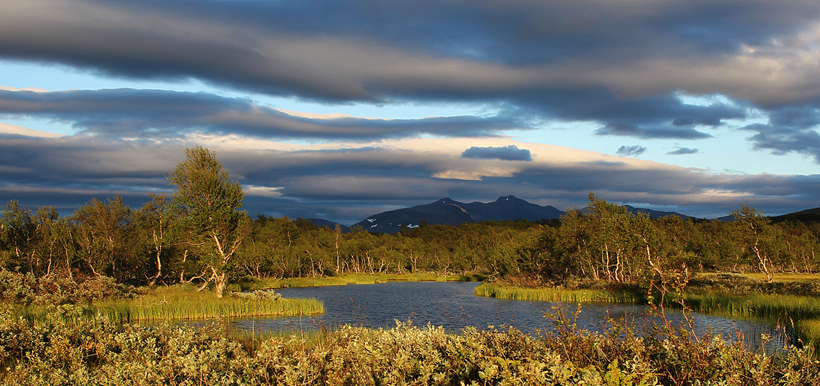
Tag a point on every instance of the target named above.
point(556, 294)
point(770, 307)
point(802, 312)
point(784, 277)
point(809, 332)
point(362, 278)
point(177, 303)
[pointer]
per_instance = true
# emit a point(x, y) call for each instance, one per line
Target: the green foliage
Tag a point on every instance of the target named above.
point(172, 303)
point(755, 232)
point(201, 236)
point(208, 203)
point(101, 234)
point(98, 352)
point(27, 289)
point(18, 230)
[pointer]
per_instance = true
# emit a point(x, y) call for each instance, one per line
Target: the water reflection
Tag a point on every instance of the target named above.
point(453, 306)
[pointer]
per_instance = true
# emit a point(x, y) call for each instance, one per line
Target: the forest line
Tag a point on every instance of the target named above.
point(148, 246)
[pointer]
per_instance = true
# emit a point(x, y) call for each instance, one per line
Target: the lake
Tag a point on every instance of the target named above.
point(453, 306)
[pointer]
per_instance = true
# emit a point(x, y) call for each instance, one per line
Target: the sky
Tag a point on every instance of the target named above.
point(342, 109)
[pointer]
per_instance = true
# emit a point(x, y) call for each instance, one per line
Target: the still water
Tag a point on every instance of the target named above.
point(453, 306)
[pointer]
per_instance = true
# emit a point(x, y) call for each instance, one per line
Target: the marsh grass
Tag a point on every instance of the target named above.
point(557, 294)
point(800, 314)
point(253, 339)
point(809, 331)
point(177, 303)
point(735, 296)
point(771, 307)
point(785, 277)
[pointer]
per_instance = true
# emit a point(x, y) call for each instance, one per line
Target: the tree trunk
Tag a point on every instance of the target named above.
point(764, 263)
point(158, 249)
point(220, 282)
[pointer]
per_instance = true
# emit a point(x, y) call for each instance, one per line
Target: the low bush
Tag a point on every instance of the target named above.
point(26, 289)
point(257, 295)
point(99, 352)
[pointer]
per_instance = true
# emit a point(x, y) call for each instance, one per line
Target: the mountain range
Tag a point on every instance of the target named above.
point(447, 211)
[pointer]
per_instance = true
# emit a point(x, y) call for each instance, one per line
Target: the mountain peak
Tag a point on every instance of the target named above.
point(452, 212)
point(444, 201)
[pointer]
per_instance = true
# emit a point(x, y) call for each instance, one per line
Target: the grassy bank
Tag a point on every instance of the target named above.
point(802, 313)
point(98, 352)
point(792, 300)
point(499, 291)
point(794, 303)
point(363, 278)
point(772, 307)
point(177, 303)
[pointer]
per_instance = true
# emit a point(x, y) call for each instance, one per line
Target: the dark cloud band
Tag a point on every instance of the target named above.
point(156, 113)
point(505, 153)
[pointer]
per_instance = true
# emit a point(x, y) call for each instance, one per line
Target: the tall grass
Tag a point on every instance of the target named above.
point(756, 305)
point(556, 294)
point(809, 332)
point(784, 277)
point(801, 312)
point(177, 303)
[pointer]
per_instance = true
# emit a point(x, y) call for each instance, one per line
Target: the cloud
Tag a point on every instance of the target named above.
point(156, 114)
point(15, 130)
point(628, 130)
point(631, 151)
point(505, 153)
point(683, 151)
point(349, 181)
point(791, 129)
point(590, 60)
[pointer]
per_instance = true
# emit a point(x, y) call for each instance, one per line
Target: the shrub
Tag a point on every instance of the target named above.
point(98, 352)
point(26, 289)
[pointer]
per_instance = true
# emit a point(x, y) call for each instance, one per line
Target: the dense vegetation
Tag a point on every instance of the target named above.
point(98, 352)
point(156, 244)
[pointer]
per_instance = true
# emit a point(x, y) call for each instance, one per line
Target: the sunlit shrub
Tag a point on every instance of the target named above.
point(99, 352)
point(26, 289)
point(257, 295)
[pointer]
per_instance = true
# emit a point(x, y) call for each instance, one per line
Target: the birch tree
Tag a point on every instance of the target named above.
point(208, 203)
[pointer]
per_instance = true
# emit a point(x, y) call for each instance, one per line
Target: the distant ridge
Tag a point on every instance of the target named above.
point(806, 216)
point(654, 213)
point(447, 211)
point(511, 208)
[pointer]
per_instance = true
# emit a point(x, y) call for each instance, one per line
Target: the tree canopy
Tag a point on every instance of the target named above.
point(207, 203)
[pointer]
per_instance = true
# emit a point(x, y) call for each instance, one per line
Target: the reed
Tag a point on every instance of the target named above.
point(785, 277)
point(809, 332)
point(800, 312)
point(177, 303)
point(772, 307)
point(556, 294)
